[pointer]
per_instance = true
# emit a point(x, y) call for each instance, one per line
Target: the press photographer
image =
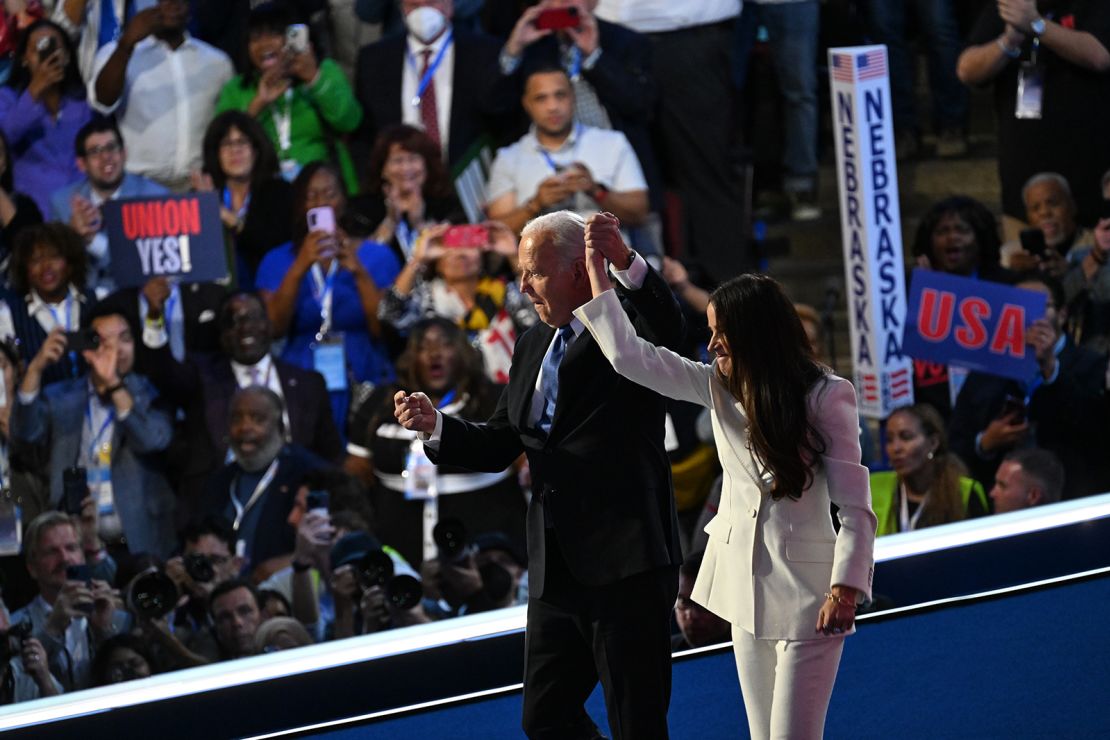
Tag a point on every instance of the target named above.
point(374, 588)
point(489, 572)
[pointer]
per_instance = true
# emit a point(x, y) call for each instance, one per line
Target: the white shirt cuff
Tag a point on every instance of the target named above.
point(27, 398)
point(632, 278)
point(358, 451)
point(432, 440)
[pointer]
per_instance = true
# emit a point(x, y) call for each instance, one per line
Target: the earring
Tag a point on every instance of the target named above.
point(930, 456)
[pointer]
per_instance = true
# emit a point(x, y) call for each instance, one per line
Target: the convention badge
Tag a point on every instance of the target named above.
point(1030, 91)
point(329, 358)
point(290, 168)
point(11, 524)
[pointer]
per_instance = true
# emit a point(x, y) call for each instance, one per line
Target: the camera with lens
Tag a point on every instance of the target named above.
point(12, 641)
point(152, 594)
point(402, 591)
point(450, 537)
point(199, 567)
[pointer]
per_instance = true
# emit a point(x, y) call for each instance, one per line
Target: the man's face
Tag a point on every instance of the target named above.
point(1052, 312)
point(103, 161)
point(113, 329)
point(245, 330)
point(555, 289)
point(58, 548)
point(698, 625)
point(218, 554)
point(1013, 490)
point(237, 618)
point(447, 7)
point(549, 102)
point(254, 432)
point(1048, 208)
point(175, 16)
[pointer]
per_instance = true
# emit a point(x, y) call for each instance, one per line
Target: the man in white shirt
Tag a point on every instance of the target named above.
point(561, 164)
point(162, 84)
point(692, 52)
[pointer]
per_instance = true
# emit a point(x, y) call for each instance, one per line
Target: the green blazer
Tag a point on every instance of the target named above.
point(884, 489)
point(327, 103)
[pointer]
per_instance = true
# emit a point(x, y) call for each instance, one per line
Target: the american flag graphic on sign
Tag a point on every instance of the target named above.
point(871, 65)
point(842, 68)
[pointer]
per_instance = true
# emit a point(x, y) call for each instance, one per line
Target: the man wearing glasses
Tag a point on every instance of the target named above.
point(102, 156)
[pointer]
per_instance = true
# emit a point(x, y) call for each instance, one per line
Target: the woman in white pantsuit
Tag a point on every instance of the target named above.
point(787, 434)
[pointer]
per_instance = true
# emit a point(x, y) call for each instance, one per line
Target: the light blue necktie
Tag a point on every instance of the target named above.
point(549, 379)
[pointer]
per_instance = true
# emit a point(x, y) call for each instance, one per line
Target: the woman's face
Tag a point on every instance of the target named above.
point(404, 171)
point(324, 190)
point(437, 362)
point(460, 263)
point(718, 342)
point(954, 247)
point(266, 50)
point(40, 35)
point(47, 271)
point(907, 445)
point(237, 154)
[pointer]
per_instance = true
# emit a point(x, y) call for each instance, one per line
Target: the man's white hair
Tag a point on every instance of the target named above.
point(1042, 177)
point(565, 230)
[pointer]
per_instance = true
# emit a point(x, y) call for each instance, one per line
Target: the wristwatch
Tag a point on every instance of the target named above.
point(1037, 26)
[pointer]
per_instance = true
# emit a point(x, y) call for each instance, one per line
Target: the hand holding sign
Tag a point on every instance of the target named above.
point(156, 291)
point(1042, 337)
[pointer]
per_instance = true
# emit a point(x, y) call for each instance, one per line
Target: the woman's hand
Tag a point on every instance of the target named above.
point(271, 86)
point(502, 240)
point(318, 246)
point(46, 73)
point(429, 244)
point(838, 613)
point(347, 254)
point(304, 66)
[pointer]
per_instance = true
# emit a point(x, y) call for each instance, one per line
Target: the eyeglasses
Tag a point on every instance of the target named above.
point(97, 151)
point(235, 143)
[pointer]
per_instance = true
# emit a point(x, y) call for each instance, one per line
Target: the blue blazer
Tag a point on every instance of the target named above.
point(143, 497)
point(133, 186)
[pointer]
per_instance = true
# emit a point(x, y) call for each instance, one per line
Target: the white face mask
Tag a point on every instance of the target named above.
point(425, 23)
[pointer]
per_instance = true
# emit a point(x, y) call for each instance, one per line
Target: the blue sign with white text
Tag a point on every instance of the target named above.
point(972, 323)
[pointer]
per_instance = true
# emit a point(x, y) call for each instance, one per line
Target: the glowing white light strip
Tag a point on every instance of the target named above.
point(716, 648)
point(264, 667)
point(388, 712)
point(994, 527)
point(481, 626)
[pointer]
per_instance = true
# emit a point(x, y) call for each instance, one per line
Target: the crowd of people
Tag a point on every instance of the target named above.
point(204, 471)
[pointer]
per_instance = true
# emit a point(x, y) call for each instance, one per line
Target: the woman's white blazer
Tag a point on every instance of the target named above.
point(768, 563)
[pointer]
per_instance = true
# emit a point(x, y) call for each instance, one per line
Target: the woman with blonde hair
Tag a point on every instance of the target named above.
point(928, 484)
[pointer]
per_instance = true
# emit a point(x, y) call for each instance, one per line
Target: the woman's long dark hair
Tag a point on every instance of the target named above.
point(974, 214)
point(773, 371)
point(265, 159)
point(72, 86)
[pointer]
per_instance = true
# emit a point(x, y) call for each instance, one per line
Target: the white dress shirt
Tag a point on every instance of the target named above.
point(443, 80)
point(654, 16)
point(169, 98)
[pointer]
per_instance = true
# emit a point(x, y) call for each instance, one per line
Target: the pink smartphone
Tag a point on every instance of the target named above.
point(321, 218)
point(466, 236)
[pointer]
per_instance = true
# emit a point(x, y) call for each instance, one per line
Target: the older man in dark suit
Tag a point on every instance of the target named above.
point(602, 531)
point(436, 77)
point(204, 385)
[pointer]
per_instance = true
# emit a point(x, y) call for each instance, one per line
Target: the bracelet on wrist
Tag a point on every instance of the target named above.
point(850, 603)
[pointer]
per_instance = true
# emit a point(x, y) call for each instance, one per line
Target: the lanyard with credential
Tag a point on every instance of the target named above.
point(573, 158)
point(323, 291)
point(263, 483)
point(406, 235)
point(94, 440)
point(430, 72)
point(242, 212)
point(283, 123)
point(906, 523)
